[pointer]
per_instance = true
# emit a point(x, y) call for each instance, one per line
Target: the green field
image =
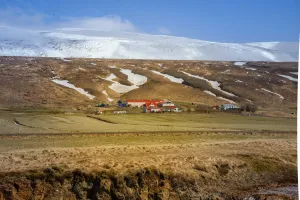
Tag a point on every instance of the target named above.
point(37, 122)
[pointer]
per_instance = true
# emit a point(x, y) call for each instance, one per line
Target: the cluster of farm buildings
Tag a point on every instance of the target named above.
point(154, 106)
point(157, 106)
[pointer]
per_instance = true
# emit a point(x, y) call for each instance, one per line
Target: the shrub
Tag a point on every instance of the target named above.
point(249, 108)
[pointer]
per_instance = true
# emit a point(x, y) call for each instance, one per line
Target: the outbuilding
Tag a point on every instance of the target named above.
point(229, 107)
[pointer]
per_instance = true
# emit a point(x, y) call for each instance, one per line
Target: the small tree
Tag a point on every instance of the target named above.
point(249, 108)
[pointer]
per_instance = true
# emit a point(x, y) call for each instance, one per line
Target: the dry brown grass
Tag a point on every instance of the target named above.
point(26, 82)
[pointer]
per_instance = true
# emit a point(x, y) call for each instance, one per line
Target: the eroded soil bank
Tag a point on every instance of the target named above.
point(148, 183)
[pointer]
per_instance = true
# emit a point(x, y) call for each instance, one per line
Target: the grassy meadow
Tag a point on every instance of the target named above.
point(42, 122)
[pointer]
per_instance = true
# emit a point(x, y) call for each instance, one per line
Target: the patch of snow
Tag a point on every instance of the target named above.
point(66, 60)
point(120, 88)
point(296, 73)
point(239, 81)
point(133, 78)
point(93, 64)
point(280, 96)
point(112, 66)
point(214, 84)
point(267, 72)
point(228, 100)
point(239, 63)
point(250, 68)
point(171, 78)
point(248, 100)
point(288, 77)
point(82, 69)
point(104, 92)
point(110, 77)
point(109, 99)
point(228, 70)
point(210, 93)
point(69, 85)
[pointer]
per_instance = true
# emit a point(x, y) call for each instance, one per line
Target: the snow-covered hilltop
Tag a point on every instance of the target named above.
point(109, 44)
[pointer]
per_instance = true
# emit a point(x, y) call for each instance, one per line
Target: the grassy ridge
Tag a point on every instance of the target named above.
point(77, 123)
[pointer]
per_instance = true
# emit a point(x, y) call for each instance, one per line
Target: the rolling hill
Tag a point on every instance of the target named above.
point(80, 83)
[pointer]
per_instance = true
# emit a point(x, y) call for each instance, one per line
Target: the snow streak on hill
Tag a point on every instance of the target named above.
point(109, 44)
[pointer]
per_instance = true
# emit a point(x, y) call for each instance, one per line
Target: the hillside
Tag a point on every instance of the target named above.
point(81, 83)
point(82, 43)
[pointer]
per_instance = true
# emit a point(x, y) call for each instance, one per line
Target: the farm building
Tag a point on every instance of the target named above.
point(166, 103)
point(140, 103)
point(229, 107)
point(120, 112)
point(155, 106)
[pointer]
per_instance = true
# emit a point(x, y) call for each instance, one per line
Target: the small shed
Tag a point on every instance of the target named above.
point(229, 107)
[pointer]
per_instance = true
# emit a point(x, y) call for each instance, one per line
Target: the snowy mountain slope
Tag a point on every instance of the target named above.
point(109, 44)
point(286, 47)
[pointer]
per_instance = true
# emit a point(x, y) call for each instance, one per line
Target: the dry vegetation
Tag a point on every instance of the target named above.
point(192, 164)
point(26, 82)
point(44, 122)
point(53, 147)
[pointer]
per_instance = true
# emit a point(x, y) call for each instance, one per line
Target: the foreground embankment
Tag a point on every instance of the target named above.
point(160, 165)
point(148, 183)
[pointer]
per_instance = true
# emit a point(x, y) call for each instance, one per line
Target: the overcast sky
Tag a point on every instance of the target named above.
point(213, 20)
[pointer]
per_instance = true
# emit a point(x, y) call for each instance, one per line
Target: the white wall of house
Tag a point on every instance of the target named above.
point(136, 104)
point(168, 104)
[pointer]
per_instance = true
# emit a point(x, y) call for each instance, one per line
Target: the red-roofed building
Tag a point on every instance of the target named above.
point(140, 103)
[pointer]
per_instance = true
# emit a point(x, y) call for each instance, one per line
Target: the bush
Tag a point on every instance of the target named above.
point(249, 108)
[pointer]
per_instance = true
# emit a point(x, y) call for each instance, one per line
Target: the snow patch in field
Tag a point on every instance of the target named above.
point(82, 69)
point(118, 87)
point(280, 96)
point(110, 77)
point(239, 81)
point(228, 100)
point(214, 84)
point(228, 70)
point(133, 78)
point(250, 68)
point(69, 85)
point(171, 78)
point(66, 60)
point(104, 92)
point(112, 67)
point(93, 64)
point(288, 77)
point(109, 99)
point(210, 93)
point(239, 63)
point(296, 73)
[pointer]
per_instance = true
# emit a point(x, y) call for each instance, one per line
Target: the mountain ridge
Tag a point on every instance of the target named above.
point(82, 43)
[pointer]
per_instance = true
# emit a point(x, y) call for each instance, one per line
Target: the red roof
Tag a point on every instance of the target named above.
point(144, 101)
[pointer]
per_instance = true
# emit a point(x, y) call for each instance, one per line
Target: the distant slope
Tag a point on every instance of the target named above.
point(290, 48)
point(107, 44)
